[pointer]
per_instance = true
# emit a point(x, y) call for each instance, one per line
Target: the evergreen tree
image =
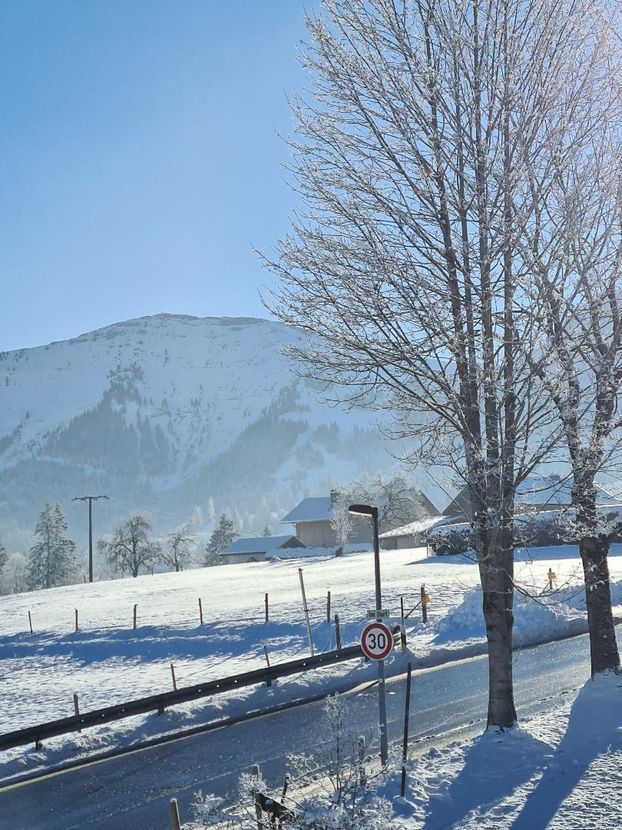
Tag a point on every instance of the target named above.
point(52, 558)
point(4, 558)
point(223, 535)
point(266, 531)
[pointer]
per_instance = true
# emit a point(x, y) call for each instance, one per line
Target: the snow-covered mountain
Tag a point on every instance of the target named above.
point(174, 415)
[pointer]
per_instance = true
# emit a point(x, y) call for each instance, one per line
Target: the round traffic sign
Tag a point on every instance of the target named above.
point(376, 641)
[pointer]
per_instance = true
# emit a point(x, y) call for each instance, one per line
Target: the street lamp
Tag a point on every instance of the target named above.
point(372, 512)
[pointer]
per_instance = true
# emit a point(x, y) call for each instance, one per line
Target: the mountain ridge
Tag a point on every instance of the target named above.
point(176, 415)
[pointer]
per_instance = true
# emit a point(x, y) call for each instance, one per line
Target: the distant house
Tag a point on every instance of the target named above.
point(254, 549)
point(412, 535)
point(312, 521)
point(312, 518)
point(543, 506)
point(535, 494)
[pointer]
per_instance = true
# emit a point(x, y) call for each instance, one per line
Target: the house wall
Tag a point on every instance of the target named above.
point(316, 534)
point(321, 535)
point(234, 558)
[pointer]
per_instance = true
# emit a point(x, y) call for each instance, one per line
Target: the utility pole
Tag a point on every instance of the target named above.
point(90, 500)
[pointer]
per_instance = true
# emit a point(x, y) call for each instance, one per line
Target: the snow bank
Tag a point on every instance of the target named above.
point(546, 617)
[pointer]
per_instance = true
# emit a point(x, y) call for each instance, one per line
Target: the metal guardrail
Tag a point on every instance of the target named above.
point(36, 734)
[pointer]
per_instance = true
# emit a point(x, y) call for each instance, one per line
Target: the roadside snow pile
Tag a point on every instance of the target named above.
point(536, 619)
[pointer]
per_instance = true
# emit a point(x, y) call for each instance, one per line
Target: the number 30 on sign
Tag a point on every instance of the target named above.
point(376, 641)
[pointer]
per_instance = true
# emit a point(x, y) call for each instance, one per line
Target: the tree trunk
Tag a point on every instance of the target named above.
point(496, 568)
point(603, 646)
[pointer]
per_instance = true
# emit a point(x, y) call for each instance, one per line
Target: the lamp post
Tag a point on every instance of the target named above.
point(372, 512)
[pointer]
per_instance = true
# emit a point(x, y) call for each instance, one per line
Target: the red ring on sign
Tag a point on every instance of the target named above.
point(377, 628)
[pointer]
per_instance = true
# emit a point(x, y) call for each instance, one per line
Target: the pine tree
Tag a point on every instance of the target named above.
point(266, 531)
point(223, 535)
point(52, 559)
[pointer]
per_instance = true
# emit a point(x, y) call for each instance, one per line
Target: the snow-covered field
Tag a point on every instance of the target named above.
point(108, 662)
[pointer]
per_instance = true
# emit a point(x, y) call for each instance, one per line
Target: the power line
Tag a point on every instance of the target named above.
point(90, 500)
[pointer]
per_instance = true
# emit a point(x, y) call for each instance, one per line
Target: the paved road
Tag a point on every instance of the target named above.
point(133, 791)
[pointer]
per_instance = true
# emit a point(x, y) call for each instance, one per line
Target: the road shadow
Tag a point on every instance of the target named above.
point(495, 765)
point(594, 728)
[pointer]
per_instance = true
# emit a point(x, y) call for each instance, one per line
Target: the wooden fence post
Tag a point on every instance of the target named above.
point(424, 605)
point(30, 622)
point(200, 612)
point(361, 762)
point(551, 575)
point(305, 609)
point(328, 607)
point(266, 607)
point(77, 626)
point(174, 678)
point(135, 607)
point(255, 776)
point(175, 814)
point(337, 633)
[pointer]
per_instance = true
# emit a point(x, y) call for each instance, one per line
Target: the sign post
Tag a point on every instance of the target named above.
point(378, 638)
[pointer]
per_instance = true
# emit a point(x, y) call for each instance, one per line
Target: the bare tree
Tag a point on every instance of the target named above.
point(131, 546)
point(575, 252)
point(341, 521)
point(175, 551)
point(406, 269)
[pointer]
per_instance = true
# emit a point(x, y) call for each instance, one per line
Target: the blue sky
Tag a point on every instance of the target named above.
point(140, 159)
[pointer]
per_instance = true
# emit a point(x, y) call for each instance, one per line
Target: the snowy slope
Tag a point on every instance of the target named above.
point(162, 413)
point(107, 661)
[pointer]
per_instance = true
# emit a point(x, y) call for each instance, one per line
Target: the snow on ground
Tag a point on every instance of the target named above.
point(107, 662)
point(560, 770)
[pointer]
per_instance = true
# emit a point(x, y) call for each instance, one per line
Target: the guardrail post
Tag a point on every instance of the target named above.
point(406, 727)
point(76, 707)
point(175, 814)
point(402, 624)
point(265, 651)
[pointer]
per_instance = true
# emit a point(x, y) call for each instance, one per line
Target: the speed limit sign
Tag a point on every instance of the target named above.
point(376, 641)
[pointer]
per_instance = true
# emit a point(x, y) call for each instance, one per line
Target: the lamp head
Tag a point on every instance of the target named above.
point(363, 510)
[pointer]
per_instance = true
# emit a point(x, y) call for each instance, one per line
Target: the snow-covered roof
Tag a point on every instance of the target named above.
point(314, 509)
point(413, 528)
point(538, 491)
point(257, 544)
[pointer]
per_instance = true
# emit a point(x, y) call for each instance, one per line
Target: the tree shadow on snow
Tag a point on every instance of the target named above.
point(155, 643)
point(495, 765)
point(594, 728)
